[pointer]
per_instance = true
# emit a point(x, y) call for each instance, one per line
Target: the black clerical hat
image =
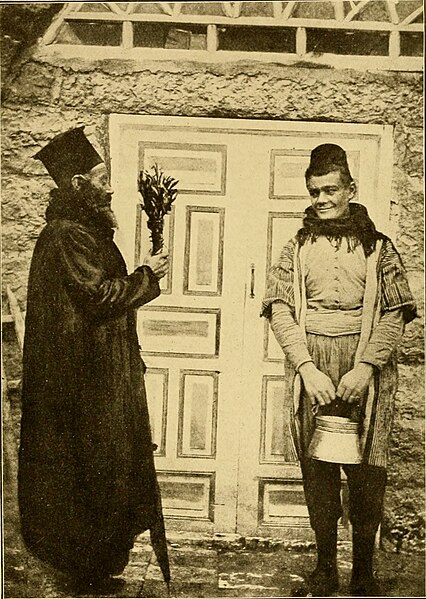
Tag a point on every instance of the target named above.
point(68, 154)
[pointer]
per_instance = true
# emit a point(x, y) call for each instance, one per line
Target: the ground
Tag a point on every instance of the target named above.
point(215, 566)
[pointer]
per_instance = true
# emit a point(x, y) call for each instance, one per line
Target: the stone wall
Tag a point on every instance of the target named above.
point(45, 97)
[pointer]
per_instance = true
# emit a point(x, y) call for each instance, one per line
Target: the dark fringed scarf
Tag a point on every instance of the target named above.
point(358, 228)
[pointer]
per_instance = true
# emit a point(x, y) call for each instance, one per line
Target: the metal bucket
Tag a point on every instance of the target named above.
point(335, 439)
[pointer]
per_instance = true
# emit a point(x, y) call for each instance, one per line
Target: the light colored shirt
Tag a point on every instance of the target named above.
point(335, 278)
point(335, 282)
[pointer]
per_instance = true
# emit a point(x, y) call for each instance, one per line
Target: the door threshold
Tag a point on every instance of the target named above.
point(236, 542)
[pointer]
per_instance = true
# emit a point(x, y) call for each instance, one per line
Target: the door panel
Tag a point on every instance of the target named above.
point(215, 373)
point(269, 475)
point(194, 369)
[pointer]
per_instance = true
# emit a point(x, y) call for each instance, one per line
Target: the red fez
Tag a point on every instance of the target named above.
point(68, 154)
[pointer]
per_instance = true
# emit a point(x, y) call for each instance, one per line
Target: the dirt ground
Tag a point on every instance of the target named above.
point(217, 566)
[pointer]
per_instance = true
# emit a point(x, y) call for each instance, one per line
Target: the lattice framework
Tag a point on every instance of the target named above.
point(398, 17)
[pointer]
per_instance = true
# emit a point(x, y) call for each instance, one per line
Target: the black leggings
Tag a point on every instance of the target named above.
point(322, 485)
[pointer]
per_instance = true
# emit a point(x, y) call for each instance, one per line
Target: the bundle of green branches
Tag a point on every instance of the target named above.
point(158, 194)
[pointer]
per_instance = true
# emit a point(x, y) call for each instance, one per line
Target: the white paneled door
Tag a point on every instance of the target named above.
point(215, 374)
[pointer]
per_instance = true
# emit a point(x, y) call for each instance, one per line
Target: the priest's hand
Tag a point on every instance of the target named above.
point(354, 384)
point(158, 263)
point(318, 386)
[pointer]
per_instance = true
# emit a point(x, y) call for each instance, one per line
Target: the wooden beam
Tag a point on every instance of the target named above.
point(237, 9)
point(227, 8)
point(413, 16)
point(277, 9)
point(166, 7)
point(232, 9)
point(8, 318)
point(112, 16)
point(17, 317)
point(288, 10)
point(177, 8)
point(357, 9)
point(394, 44)
point(51, 33)
point(75, 7)
point(393, 15)
point(248, 21)
point(212, 38)
point(339, 10)
point(301, 41)
point(127, 40)
point(114, 8)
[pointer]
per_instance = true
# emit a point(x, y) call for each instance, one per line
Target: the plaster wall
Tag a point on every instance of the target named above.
point(43, 97)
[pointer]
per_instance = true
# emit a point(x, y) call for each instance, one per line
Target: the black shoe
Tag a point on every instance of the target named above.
point(321, 583)
point(366, 586)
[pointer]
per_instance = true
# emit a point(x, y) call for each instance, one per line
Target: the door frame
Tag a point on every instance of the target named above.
point(382, 134)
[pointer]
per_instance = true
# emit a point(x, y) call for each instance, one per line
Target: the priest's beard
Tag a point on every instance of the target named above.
point(99, 203)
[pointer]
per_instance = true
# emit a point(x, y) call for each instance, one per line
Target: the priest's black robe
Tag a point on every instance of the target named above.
point(87, 482)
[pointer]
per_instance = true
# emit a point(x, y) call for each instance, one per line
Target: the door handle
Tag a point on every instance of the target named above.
point(252, 281)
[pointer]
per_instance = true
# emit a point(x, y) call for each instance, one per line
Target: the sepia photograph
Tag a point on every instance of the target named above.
point(213, 280)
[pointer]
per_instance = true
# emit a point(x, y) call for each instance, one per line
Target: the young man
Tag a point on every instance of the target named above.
point(87, 483)
point(338, 301)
